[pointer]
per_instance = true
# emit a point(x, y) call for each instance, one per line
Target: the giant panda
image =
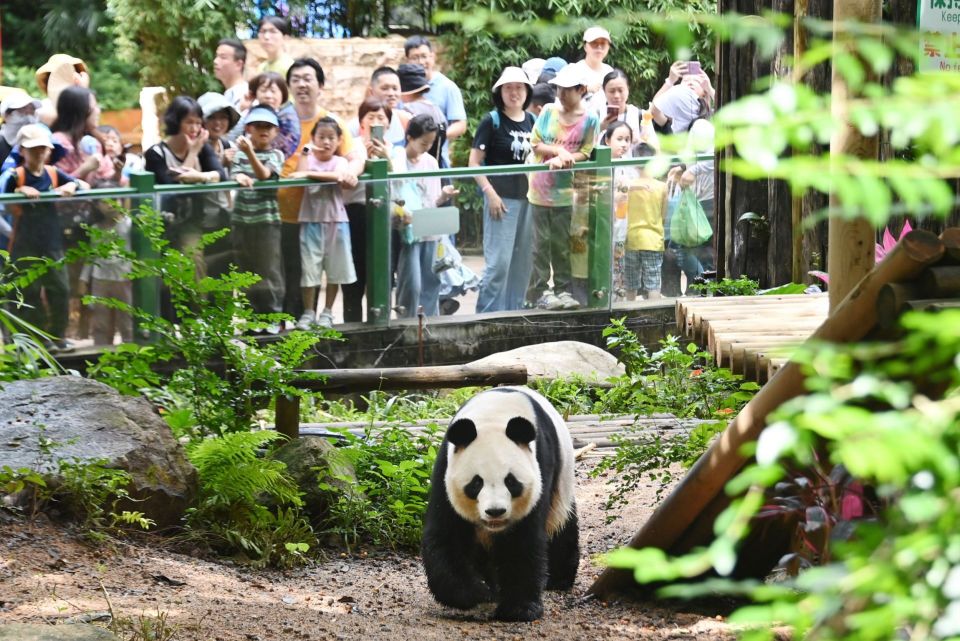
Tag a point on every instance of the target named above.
point(501, 523)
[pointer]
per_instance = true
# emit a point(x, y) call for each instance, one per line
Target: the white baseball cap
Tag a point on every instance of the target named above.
point(17, 100)
point(512, 74)
point(569, 76)
point(596, 33)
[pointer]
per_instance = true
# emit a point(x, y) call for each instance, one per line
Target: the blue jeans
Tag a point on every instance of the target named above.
point(416, 283)
point(506, 253)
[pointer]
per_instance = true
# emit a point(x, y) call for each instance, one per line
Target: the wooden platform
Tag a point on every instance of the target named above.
point(752, 335)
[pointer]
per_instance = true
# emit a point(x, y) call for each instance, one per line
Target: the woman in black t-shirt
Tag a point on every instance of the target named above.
point(503, 138)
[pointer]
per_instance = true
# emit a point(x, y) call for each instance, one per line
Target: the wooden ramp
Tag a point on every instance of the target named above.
point(751, 335)
point(685, 520)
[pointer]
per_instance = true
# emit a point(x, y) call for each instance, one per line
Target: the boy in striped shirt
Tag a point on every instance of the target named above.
point(256, 215)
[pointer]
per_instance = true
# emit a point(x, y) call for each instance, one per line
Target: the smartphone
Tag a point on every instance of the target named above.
point(376, 132)
point(612, 111)
point(693, 68)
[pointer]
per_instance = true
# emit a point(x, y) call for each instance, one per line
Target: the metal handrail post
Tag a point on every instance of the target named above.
point(378, 243)
point(600, 243)
point(146, 291)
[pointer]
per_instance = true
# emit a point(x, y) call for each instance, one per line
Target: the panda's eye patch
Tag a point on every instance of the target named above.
point(514, 486)
point(472, 489)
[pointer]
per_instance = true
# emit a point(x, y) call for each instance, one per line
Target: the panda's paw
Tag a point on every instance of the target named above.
point(530, 611)
point(467, 596)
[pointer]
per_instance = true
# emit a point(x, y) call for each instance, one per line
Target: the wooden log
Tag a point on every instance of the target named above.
point(713, 338)
point(400, 378)
point(287, 416)
point(941, 282)
point(732, 354)
point(951, 244)
point(933, 304)
point(892, 300)
point(850, 321)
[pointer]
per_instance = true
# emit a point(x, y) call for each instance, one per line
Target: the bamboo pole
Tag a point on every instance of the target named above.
point(851, 321)
point(850, 248)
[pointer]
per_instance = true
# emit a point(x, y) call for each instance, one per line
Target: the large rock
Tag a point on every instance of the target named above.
point(561, 359)
point(89, 420)
point(310, 459)
point(74, 632)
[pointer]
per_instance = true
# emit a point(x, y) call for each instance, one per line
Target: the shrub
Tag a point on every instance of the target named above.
point(393, 468)
point(231, 515)
point(889, 414)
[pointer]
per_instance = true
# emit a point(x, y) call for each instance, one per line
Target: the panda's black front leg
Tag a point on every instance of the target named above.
point(449, 550)
point(520, 558)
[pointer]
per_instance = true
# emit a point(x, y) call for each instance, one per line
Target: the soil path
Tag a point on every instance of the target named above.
point(48, 575)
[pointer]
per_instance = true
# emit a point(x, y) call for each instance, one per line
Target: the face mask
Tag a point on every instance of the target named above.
point(13, 122)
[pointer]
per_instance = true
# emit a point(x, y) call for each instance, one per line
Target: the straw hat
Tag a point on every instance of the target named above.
point(58, 73)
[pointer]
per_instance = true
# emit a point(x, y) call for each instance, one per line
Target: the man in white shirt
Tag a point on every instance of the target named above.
point(444, 93)
point(228, 64)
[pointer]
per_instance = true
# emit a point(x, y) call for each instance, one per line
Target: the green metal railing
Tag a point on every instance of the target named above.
point(376, 177)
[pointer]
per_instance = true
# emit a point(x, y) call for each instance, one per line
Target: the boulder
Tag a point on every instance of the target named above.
point(87, 420)
point(37, 632)
point(561, 359)
point(306, 459)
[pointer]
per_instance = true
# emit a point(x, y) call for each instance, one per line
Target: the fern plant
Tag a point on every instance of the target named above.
point(236, 485)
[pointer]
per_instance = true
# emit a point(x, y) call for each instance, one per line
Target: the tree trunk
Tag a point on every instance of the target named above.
point(850, 254)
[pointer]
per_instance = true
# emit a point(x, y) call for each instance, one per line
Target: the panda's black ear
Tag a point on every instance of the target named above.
point(521, 431)
point(461, 433)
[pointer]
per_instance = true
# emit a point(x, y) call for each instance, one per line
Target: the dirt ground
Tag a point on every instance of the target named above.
point(49, 576)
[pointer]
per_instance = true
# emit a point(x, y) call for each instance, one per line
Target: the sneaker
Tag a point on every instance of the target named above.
point(325, 319)
point(307, 320)
point(273, 329)
point(567, 301)
point(550, 301)
point(61, 346)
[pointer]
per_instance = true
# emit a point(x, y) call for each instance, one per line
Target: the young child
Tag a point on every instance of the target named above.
point(646, 216)
point(107, 278)
point(37, 232)
point(113, 150)
point(417, 284)
point(563, 135)
point(256, 215)
point(619, 137)
point(324, 226)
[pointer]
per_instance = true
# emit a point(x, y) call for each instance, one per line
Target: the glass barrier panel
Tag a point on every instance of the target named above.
point(467, 243)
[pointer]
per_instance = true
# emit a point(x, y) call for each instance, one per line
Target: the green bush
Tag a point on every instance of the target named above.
point(213, 326)
point(235, 484)
point(393, 467)
point(889, 414)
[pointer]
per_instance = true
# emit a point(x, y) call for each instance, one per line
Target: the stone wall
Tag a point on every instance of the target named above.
point(347, 64)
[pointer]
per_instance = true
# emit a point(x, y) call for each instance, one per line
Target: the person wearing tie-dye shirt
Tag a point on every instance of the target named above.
point(563, 135)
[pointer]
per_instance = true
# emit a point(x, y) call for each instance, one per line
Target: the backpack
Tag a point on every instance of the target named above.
point(17, 210)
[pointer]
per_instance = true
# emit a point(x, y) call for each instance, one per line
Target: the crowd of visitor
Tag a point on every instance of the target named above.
point(270, 122)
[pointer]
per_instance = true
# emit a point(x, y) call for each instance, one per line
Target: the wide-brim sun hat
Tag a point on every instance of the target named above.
point(413, 78)
point(512, 74)
point(533, 68)
point(17, 100)
point(57, 73)
point(569, 76)
point(596, 33)
point(261, 113)
point(212, 103)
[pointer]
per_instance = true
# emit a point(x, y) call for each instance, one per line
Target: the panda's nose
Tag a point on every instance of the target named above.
point(496, 511)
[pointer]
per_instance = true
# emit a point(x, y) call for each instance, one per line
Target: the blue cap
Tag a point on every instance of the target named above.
point(262, 113)
point(554, 64)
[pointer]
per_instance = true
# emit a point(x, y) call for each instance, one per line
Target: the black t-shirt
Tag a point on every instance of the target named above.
point(38, 231)
point(507, 144)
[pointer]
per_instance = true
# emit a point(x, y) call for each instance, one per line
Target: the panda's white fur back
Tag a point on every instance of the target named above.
point(490, 411)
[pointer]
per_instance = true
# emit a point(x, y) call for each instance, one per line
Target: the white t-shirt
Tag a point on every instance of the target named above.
point(595, 101)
